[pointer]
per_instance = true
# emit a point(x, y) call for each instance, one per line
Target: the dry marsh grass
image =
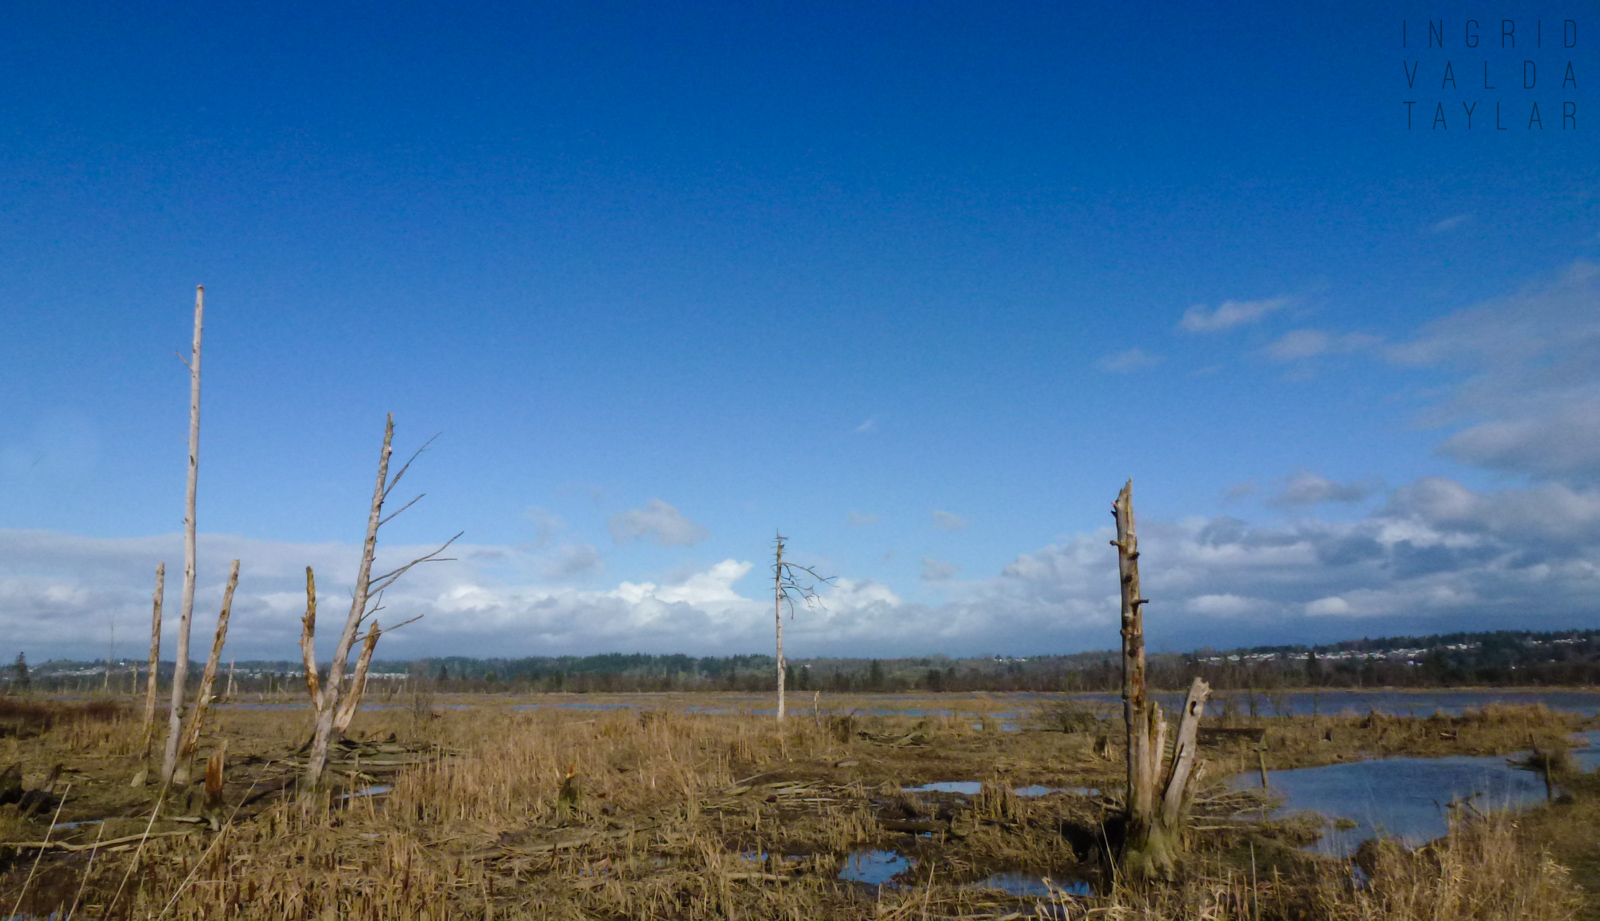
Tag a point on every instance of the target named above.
point(501, 813)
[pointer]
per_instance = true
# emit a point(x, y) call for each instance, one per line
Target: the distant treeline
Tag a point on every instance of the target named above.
point(1564, 658)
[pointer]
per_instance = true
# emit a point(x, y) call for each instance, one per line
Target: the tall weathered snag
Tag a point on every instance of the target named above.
point(1158, 796)
point(180, 667)
point(788, 582)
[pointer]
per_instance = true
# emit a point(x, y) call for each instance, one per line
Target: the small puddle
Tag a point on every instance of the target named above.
point(873, 867)
point(973, 788)
point(1588, 754)
point(1031, 885)
point(374, 790)
point(599, 706)
point(962, 787)
point(1404, 798)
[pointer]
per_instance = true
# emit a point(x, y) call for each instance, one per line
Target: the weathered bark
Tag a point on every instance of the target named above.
point(1158, 796)
point(180, 670)
point(1185, 765)
point(1135, 706)
point(358, 684)
point(208, 680)
point(214, 784)
point(155, 659)
point(227, 695)
point(777, 613)
point(308, 642)
point(358, 609)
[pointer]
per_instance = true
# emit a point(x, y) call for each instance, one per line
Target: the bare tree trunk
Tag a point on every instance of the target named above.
point(358, 608)
point(155, 661)
point(1158, 799)
point(1135, 711)
point(111, 653)
point(228, 694)
point(180, 670)
point(358, 685)
point(208, 680)
point(777, 613)
point(308, 642)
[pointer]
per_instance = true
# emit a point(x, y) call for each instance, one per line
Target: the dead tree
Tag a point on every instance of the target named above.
point(150, 683)
point(367, 601)
point(358, 681)
point(308, 647)
point(1158, 794)
point(180, 667)
point(208, 680)
point(789, 581)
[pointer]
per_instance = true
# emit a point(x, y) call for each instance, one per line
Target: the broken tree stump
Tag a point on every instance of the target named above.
point(1158, 795)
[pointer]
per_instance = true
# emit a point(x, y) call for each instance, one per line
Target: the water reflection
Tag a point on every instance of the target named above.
point(873, 867)
point(1032, 885)
point(1405, 798)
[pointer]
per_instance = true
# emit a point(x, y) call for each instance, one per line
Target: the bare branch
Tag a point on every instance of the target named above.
point(389, 578)
point(401, 509)
point(407, 466)
point(362, 637)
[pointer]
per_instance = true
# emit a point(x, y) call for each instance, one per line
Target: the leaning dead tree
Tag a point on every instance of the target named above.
point(150, 683)
point(180, 670)
point(789, 581)
point(208, 681)
point(333, 708)
point(1159, 790)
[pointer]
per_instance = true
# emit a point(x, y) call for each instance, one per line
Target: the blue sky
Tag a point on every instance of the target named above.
point(918, 284)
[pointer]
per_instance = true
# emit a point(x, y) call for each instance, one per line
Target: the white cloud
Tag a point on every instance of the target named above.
point(1529, 401)
point(660, 523)
point(1301, 344)
point(945, 521)
point(1306, 488)
point(938, 570)
point(571, 560)
point(867, 427)
point(546, 525)
point(1127, 362)
point(1436, 556)
point(1198, 319)
point(1453, 222)
point(1225, 605)
point(712, 587)
point(1331, 606)
point(1562, 442)
point(860, 520)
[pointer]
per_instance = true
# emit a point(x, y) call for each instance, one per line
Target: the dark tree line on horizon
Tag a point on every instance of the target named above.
point(1502, 658)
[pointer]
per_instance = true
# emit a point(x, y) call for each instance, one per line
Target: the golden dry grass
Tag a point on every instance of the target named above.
point(674, 815)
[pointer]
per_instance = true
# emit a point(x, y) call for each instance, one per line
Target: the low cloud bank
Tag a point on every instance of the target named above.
point(1434, 556)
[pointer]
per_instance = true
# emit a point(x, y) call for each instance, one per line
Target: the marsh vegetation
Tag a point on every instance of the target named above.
point(643, 807)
